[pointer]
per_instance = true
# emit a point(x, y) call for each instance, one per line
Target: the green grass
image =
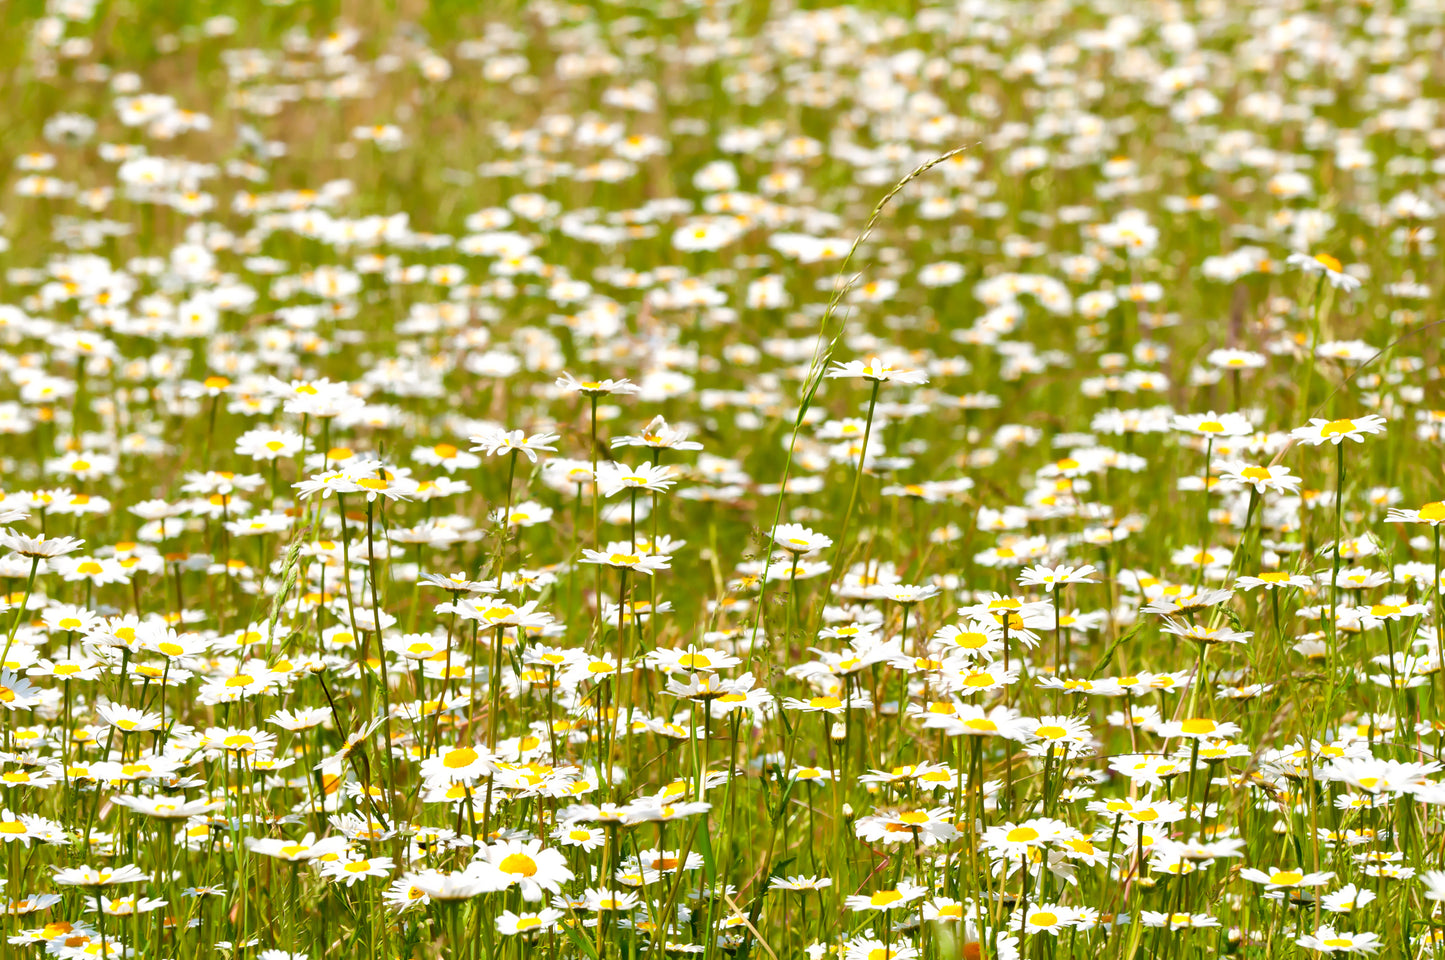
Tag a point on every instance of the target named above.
point(397, 744)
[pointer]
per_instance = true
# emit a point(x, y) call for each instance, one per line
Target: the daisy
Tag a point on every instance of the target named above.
point(1347, 899)
point(1335, 431)
point(447, 456)
point(622, 556)
point(1326, 939)
point(441, 885)
point(457, 763)
point(799, 884)
point(1278, 878)
point(828, 703)
point(797, 539)
point(1199, 728)
point(307, 848)
point(1177, 921)
point(525, 864)
point(868, 948)
point(973, 680)
point(1214, 425)
point(99, 877)
point(1048, 918)
point(1270, 477)
point(1015, 839)
point(1050, 577)
point(351, 872)
point(528, 924)
point(496, 441)
point(925, 827)
point(597, 900)
point(17, 693)
point(1326, 267)
point(659, 435)
point(595, 388)
point(1060, 732)
point(129, 719)
point(1273, 580)
point(1431, 513)
point(39, 547)
point(877, 371)
point(613, 478)
point(892, 898)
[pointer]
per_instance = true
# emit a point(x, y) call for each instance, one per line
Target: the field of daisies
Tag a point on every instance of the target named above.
point(743, 480)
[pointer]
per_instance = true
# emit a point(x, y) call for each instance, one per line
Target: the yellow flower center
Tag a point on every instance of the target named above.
point(459, 758)
point(518, 863)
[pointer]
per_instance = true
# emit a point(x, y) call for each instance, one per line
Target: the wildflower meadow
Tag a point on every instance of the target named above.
point(721, 478)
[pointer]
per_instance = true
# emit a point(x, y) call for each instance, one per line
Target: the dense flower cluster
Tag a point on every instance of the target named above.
point(724, 479)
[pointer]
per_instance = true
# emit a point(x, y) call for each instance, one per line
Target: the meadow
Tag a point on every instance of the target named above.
point(740, 480)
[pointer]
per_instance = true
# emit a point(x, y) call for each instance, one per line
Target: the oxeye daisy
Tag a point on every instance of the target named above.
point(1274, 478)
point(1213, 425)
point(1051, 577)
point(85, 876)
point(1051, 918)
point(1336, 431)
point(624, 556)
point(1431, 513)
point(1326, 267)
point(525, 864)
point(1279, 878)
point(800, 884)
point(1273, 580)
point(350, 872)
point(1326, 939)
point(595, 388)
point(890, 898)
point(798, 539)
point(527, 924)
point(868, 948)
point(877, 371)
point(498, 441)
